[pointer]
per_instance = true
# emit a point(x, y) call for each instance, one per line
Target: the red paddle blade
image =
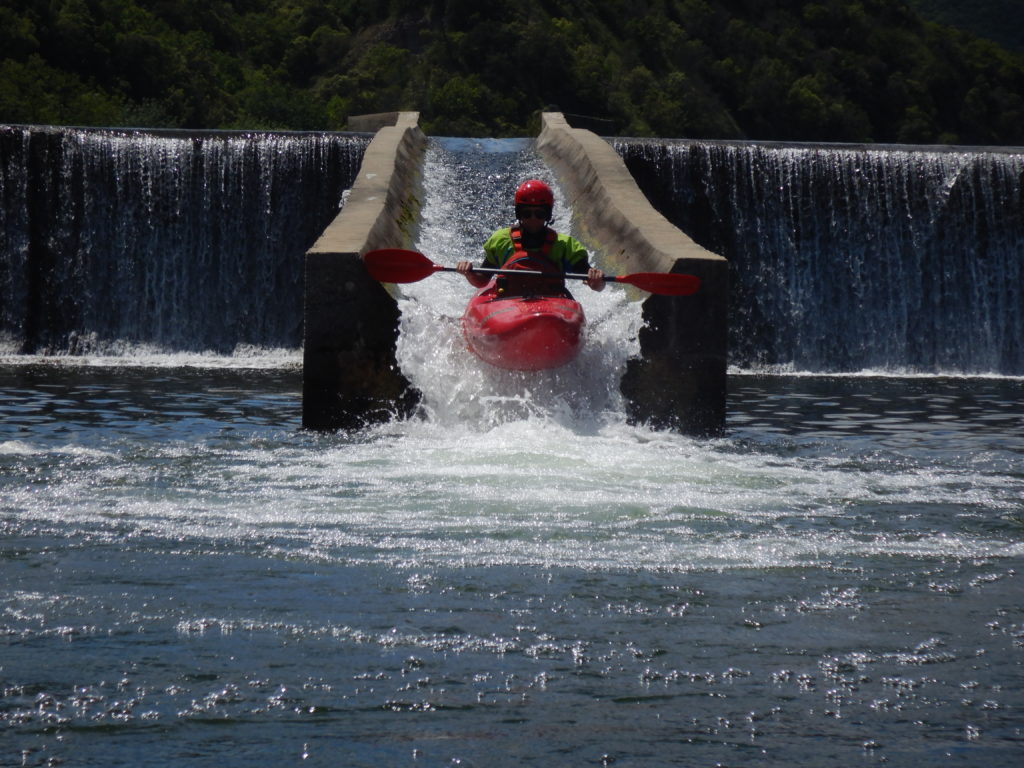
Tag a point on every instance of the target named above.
point(662, 283)
point(397, 265)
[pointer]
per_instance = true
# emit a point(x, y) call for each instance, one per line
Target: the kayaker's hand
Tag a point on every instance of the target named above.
point(465, 268)
point(595, 279)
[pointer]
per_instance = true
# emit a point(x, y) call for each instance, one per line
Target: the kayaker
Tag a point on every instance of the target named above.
point(532, 244)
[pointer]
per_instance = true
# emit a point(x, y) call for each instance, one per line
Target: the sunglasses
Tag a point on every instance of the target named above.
point(533, 213)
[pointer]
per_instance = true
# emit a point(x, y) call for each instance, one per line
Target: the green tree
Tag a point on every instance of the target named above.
point(832, 70)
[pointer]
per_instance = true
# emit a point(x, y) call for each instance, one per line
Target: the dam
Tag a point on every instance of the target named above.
point(836, 258)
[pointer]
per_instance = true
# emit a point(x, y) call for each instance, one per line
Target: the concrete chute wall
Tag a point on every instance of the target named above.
point(680, 379)
point(350, 375)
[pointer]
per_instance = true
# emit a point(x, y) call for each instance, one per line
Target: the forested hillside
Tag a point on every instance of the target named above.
point(999, 20)
point(832, 70)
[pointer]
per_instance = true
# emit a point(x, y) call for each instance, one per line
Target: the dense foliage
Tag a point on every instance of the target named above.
point(832, 70)
point(999, 20)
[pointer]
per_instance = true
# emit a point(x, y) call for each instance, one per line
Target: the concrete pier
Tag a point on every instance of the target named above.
point(350, 375)
point(680, 380)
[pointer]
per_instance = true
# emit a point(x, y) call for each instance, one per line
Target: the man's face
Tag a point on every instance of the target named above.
point(533, 217)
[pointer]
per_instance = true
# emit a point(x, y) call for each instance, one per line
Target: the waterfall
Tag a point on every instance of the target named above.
point(181, 241)
point(849, 258)
point(843, 258)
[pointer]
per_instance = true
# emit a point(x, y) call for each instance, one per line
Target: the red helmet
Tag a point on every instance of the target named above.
point(535, 192)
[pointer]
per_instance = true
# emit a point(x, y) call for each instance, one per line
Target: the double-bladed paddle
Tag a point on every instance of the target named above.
point(397, 265)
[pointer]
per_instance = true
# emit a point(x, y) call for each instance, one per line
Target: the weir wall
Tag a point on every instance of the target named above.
point(350, 375)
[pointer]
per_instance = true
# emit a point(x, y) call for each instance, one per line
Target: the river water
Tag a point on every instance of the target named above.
point(513, 576)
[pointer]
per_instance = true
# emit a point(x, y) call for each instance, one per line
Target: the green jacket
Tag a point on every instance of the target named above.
point(566, 252)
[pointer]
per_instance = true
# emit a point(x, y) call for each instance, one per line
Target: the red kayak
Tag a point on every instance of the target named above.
point(523, 333)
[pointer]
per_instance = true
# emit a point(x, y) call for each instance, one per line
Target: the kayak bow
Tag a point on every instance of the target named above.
point(523, 333)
